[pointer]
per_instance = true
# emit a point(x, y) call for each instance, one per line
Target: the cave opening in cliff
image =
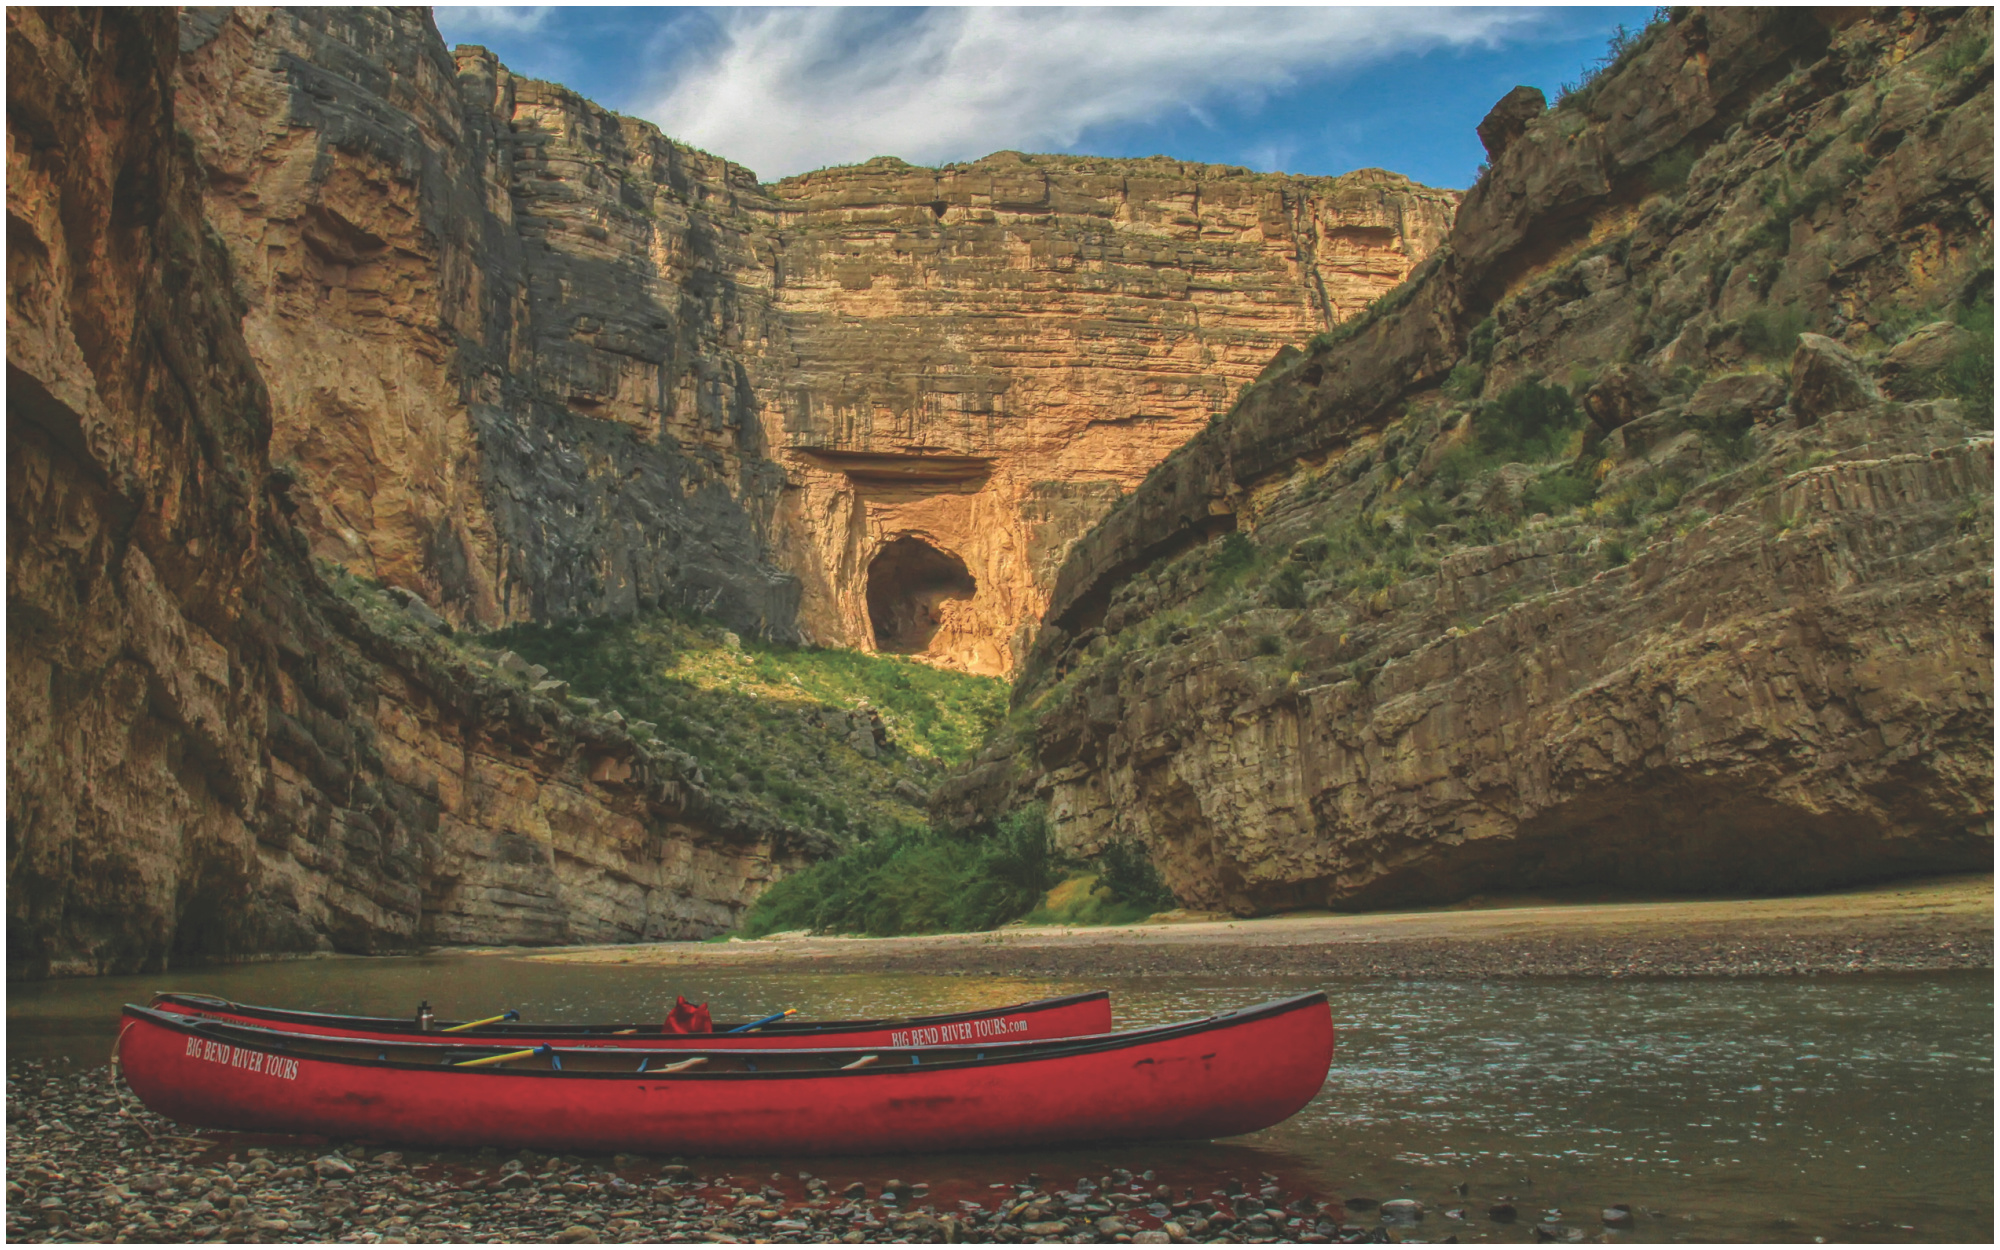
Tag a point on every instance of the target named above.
point(909, 581)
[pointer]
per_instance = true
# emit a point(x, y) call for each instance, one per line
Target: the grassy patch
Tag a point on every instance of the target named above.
point(775, 724)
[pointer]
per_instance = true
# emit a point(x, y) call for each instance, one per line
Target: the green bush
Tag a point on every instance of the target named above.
point(1530, 421)
point(1772, 333)
point(1288, 587)
point(1669, 171)
point(1557, 492)
point(1465, 380)
point(1128, 872)
point(1235, 554)
point(1479, 344)
point(1458, 468)
point(1968, 375)
point(917, 881)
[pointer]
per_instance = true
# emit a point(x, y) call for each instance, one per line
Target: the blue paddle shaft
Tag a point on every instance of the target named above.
point(758, 1024)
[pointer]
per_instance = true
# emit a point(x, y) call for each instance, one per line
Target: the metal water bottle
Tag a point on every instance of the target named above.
point(424, 1016)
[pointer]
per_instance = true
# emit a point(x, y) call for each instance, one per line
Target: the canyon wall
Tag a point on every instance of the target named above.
point(210, 752)
point(1643, 539)
point(533, 360)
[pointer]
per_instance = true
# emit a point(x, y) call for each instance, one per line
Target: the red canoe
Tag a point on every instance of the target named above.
point(1076, 1015)
point(1215, 1077)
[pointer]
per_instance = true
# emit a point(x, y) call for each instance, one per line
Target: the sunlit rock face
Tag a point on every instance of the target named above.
point(1759, 658)
point(532, 359)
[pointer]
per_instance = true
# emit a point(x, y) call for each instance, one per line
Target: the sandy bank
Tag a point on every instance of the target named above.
point(1935, 924)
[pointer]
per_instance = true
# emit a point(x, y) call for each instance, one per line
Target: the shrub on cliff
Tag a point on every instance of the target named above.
point(1968, 376)
point(1531, 420)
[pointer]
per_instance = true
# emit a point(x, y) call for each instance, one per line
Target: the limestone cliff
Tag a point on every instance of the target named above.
point(534, 360)
point(208, 752)
point(1583, 559)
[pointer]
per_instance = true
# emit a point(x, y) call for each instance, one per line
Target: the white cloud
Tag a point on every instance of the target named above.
point(787, 90)
point(462, 23)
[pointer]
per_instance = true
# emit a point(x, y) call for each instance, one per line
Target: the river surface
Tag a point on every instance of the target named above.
point(1856, 1108)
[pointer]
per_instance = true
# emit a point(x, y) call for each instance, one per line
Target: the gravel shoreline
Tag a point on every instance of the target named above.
point(1927, 926)
point(87, 1163)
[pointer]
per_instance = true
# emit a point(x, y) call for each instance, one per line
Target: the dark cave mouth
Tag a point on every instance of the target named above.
point(908, 580)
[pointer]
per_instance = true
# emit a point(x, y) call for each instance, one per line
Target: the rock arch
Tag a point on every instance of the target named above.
point(909, 582)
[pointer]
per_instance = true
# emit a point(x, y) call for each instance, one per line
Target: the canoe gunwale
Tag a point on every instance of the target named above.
point(386, 1024)
point(956, 1057)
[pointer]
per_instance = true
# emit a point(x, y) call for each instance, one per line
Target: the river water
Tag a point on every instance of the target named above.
point(1856, 1108)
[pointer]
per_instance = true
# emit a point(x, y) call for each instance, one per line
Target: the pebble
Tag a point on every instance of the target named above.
point(86, 1162)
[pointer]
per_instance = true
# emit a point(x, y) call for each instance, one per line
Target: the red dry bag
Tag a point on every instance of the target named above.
point(687, 1017)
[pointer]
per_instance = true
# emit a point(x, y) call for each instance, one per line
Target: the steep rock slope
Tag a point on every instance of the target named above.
point(209, 752)
point(1576, 561)
point(534, 360)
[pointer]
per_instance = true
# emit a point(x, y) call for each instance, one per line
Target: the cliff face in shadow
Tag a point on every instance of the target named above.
point(533, 360)
point(209, 752)
point(1642, 538)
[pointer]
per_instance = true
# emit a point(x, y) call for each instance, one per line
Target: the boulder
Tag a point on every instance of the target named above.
point(1736, 399)
point(1827, 378)
point(1639, 437)
point(1907, 369)
point(414, 604)
point(1508, 120)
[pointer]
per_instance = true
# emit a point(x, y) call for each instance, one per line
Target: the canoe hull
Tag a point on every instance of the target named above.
point(1076, 1015)
point(1209, 1082)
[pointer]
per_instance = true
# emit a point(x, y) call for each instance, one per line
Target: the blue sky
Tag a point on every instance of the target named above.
point(1303, 90)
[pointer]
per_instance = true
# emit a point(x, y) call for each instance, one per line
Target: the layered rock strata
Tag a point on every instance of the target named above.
point(208, 752)
point(1759, 658)
point(533, 360)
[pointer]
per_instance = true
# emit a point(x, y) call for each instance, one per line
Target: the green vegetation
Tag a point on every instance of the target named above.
point(1558, 491)
point(1669, 171)
point(1531, 421)
point(1235, 554)
point(1124, 889)
point(917, 881)
point(925, 881)
point(775, 724)
point(1961, 54)
point(1465, 380)
point(1771, 333)
point(1622, 47)
point(1479, 343)
point(1968, 375)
